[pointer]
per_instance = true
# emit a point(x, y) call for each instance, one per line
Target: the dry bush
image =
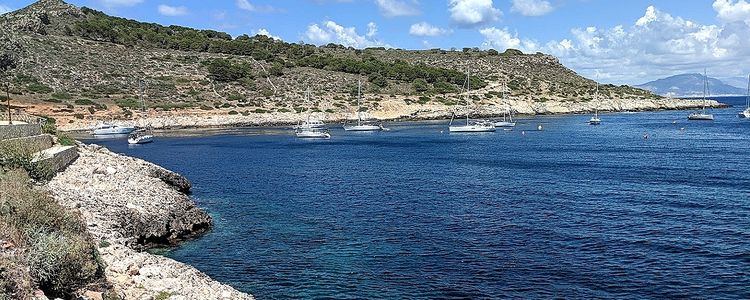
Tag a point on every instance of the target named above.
point(49, 240)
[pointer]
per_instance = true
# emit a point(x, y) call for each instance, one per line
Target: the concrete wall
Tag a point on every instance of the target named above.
point(16, 131)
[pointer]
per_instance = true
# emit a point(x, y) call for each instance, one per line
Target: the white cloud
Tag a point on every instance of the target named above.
point(729, 11)
point(372, 29)
point(473, 12)
point(658, 45)
point(502, 39)
point(173, 11)
point(265, 32)
point(246, 5)
point(115, 3)
point(425, 29)
point(331, 32)
point(4, 9)
point(532, 8)
point(398, 8)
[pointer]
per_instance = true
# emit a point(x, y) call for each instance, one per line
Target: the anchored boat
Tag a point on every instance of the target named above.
point(471, 125)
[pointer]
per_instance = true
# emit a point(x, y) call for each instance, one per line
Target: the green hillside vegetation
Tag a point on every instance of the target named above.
point(101, 27)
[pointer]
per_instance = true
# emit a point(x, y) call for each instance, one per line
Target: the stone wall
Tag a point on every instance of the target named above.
point(34, 143)
point(21, 130)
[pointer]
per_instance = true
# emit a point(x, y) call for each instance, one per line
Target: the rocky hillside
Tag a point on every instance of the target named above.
point(79, 65)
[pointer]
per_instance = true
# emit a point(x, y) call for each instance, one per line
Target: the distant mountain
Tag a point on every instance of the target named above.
point(737, 81)
point(690, 85)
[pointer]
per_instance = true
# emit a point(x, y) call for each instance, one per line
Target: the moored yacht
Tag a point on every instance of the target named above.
point(746, 113)
point(595, 120)
point(311, 127)
point(471, 125)
point(702, 115)
point(142, 136)
point(362, 125)
point(104, 128)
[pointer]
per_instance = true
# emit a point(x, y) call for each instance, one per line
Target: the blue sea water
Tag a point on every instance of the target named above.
point(572, 211)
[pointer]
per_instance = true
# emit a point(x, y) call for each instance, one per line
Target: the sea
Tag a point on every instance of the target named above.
point(645, 206)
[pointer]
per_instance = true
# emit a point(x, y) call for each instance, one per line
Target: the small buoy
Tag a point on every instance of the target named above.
point(674, 122)
point(523, 132)
point(441, 131)
point(539, 127)
point(645, 136)
point(682, 129)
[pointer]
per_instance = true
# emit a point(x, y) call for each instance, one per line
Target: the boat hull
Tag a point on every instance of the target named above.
point(141, 140)
point(504, 124)
point(313, 135)
point(114, 130)
point(701, 117)
point(471, 128)
point(595, 122)
point(745, 114)
point(363, 128)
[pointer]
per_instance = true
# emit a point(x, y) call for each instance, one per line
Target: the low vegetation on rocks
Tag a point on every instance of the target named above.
point(42, 244)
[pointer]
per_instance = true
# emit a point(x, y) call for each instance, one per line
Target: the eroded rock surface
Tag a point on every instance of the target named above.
point(130, 205)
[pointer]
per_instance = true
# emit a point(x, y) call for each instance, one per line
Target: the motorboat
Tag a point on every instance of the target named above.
point(104, 128)
point(143, 136)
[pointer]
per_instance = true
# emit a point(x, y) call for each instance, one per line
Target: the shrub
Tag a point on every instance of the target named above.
point(38, 88)
point(233, 112)
point(260, 111)
point(62, 96)
point(84, 102)
point(128, 103)
point(65, 140)
point(78, 116)
point(60, 256)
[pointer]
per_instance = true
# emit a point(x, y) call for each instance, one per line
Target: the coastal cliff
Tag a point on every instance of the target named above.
point(392, 110)
point(130, 205)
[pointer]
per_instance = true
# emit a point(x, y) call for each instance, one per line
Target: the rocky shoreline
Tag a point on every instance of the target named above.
point(390, 110)
point(130, 205)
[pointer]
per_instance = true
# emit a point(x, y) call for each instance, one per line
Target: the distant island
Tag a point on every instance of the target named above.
point(690, 85)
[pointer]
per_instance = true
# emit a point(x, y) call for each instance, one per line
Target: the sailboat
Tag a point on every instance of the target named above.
point(312, 127)
point(595, 120)
point(471, 126)
point(362, 126)
point(746, 112)
point(141, 136)
point(702, 115)
point(507, 120)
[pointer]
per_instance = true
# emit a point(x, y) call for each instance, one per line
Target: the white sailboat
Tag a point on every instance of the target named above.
point(746, 113)
point(361, 125)
point(595, 120)
point(507, 121)
point(141, 136)
point(471, 125)
point(702, 115)
point(311, 128)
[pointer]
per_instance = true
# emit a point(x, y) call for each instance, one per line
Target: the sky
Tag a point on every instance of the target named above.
point(616, 41)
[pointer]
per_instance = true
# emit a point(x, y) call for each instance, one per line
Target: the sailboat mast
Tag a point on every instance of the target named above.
point(747, 104)
point(468, 90)
point(140, 95)
point(705, 89)
point(359, 96)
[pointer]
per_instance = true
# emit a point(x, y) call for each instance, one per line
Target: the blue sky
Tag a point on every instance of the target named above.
point(623, 42)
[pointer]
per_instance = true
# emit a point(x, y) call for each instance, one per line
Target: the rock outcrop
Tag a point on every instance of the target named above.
point(130, 205)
